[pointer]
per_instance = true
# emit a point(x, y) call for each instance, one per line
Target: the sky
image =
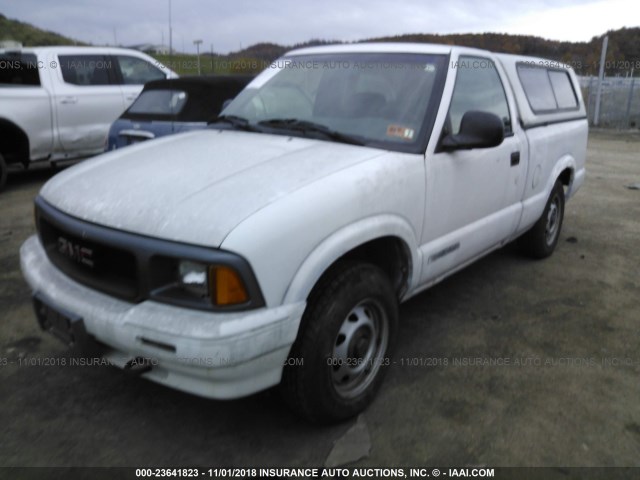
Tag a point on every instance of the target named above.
point(230, 25)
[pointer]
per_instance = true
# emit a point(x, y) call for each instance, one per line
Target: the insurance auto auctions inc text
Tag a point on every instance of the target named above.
point(373, 472)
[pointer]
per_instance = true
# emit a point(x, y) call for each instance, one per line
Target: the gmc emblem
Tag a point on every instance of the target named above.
point(75, 252)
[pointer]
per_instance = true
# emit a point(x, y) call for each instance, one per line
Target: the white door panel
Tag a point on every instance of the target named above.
point(453, 251)
point(86, 102)
point(470, 207)
point(473, 201)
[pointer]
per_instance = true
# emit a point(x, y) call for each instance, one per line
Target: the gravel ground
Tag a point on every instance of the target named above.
point(510, 362)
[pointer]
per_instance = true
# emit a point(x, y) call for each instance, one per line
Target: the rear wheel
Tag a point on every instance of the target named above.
point(541, 240)
point(3, 172)
point(342, 350)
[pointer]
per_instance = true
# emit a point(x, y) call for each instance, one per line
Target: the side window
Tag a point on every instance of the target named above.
point(159, 102)
point(561, 84)
point(136, 71)
point(537, 87)
point(547, 90)
point(19, 69)
point(478, 87)
point(85, 70)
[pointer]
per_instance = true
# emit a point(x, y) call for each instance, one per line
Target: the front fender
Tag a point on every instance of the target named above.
point(290, 242)
point(347, 239)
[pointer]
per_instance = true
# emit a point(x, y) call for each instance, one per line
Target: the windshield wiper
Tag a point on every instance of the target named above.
point(235, 121)
point(304, 126)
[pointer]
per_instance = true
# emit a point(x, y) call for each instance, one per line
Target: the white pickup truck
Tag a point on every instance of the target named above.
point(275, 246)
point(58, 102)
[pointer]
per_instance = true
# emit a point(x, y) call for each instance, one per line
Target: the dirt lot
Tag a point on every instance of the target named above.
point(557, 381)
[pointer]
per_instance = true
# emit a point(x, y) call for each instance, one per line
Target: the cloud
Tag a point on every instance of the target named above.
point(577, 22)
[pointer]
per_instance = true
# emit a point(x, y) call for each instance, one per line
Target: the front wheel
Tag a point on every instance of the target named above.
point(343, 347)
point(541, 240)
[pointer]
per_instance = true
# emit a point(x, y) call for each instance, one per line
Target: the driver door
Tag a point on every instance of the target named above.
point(469, 208)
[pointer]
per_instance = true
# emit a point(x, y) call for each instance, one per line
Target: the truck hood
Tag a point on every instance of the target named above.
point(195, 187)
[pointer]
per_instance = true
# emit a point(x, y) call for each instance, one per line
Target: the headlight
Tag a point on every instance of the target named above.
point(192, 277)
point(221, 284)
point(206, 283)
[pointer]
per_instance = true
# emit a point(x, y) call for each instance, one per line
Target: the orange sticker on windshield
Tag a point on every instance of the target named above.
point(399, 131)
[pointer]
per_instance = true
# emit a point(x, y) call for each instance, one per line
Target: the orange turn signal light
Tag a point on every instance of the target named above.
point(228, 288)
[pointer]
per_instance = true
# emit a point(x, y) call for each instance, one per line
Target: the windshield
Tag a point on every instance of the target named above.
point(380, 99)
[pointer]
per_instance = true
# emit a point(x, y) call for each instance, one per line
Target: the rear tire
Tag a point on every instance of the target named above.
point(343, 345)
point(541, 240)
point(3, 172)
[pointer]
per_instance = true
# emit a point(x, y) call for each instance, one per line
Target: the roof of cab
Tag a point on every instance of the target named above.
point(390, 47)
point(68, 49)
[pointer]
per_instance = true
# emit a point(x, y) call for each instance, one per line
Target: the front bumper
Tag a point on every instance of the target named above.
point(214, 355)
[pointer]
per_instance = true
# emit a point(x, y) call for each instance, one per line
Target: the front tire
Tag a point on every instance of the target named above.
point(541, 240)
point(343, 345)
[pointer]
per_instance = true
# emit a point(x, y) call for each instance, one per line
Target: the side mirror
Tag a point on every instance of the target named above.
point(477, 130)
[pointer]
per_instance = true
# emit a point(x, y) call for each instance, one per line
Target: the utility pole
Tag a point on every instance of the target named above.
point(197, 43)
point(629, 100)
point(603, 57)
point(170, 32)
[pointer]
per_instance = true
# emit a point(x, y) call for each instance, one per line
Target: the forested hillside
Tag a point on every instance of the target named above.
point(623, 53)
point(29, 35)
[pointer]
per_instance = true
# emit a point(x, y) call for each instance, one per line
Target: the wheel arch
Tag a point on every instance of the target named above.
point(386, 241)
point(564, 170)
point(14, 143)
point(569, 181)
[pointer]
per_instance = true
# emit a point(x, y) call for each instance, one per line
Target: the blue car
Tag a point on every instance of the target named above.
point(171, 106)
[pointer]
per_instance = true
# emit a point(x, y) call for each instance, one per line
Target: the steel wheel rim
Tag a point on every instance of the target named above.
point(553, 220)
point(359, 347)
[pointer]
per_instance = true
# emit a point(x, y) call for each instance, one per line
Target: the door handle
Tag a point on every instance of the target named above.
point(69, 100)
point(515, 158)
point(131, 98)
